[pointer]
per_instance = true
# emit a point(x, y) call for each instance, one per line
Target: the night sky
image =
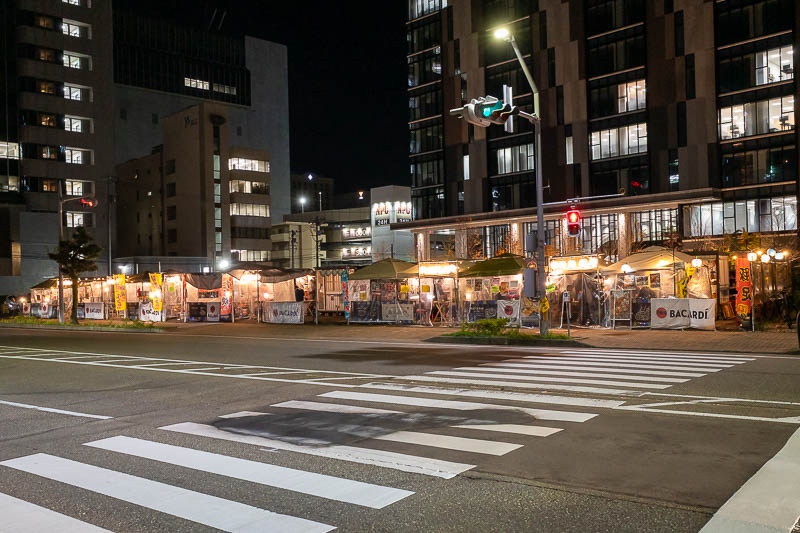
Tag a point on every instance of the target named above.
point(347, 78)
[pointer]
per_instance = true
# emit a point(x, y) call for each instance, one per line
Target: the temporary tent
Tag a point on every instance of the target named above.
point(383, 292)
point(492, 288)
point(386, 269)
point(651, 258)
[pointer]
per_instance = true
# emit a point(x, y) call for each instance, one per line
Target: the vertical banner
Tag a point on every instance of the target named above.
point(683, 284)
point(345, 295)
point(744, 288)
point(225, 297)
point(120, 298)
point(156, 286)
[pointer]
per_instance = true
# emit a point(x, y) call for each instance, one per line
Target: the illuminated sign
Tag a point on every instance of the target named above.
point(357, 251)
point(437, 269)
point(585, 262)
point(385, 213)
point(354, 233)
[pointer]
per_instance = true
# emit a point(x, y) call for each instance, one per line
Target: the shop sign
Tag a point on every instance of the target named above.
point(679, 313)
point(437, 269)
point(402, 211)
point(147, 312)
point(212, 312)
point(120, 298)
point(94, 310)
point(227, 290)
point(397, 312)
point(382, 213)
point(584, 262)
point(283, 312)
point(744, 288)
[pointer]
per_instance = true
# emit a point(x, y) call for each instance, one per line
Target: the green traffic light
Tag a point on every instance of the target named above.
point(487, 111)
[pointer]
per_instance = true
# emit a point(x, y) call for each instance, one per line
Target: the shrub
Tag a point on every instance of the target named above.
point(490, 327)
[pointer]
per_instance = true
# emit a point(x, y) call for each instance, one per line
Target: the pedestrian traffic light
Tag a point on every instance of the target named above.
point(89, 202)
point(573, 222)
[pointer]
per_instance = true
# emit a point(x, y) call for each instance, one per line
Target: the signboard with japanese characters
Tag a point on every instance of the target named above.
point(744, 288)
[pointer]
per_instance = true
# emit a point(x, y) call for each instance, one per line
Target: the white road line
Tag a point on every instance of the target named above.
point(783, 420)
point(719, 398)
point(661, 352)
point(329, 487)
point(597, 371)
point(166, 364)
point(395, 461)
point(556, 372)
point(19, 516)
point(463, 444)
point(190, 370)
point(643, 366)
point(498, 395)
point(53, 410)
point(242, 414)
point(553, 379)
point(334, 408)
point(540, 414)
point(189, 505)
point(520, 385)
point(665, 357)
point(517, 429)
point(627, 361)
point(768, 501)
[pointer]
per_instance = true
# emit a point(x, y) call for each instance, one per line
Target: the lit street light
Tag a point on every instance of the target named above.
point(302, 204)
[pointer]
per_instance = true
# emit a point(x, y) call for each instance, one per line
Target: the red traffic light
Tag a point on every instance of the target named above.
point(89, 202)
point(573, 222)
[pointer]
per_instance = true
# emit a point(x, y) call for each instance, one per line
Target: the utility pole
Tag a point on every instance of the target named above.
point(293, 243)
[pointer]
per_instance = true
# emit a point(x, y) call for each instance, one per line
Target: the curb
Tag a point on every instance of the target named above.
point(505, 341)
point(82, 328)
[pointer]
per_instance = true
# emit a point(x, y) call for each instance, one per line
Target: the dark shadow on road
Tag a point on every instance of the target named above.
point(444, 357)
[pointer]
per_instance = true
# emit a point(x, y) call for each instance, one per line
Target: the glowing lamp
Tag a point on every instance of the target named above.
point(697, 262)
point(751, 257)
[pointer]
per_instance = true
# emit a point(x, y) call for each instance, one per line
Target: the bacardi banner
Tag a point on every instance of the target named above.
point(397, 312)
point(156, 286)
point(681, 313)
point(147, 313)
point(43, 310)
point(212, 312)
point(94, 310)
point(744, 288)
point(120, 298)
point(508, 309)
point(227, 291)
point(283, 312)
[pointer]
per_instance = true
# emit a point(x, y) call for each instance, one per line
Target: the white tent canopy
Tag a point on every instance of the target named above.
point(651, 258)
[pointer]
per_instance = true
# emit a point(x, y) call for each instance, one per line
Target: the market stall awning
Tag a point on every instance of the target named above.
point(276, 275)
point(387, 269)
point(651, 258)
point(46, 284)
point(206, 282)
point(502, 265)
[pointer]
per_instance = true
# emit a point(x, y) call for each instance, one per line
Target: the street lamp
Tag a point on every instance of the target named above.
point(506, 35)
point(223, 264)
point(302, 204)
point(86, 200)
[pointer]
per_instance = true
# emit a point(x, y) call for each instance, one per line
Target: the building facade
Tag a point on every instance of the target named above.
point(197, 195)
point(681, 111)
point(55, 119)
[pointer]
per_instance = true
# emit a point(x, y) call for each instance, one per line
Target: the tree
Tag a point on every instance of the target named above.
point(74, 256)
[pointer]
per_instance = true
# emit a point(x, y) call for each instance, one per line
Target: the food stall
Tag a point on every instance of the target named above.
point(385, 291)
point(202, 297)
point(332, 284)
point(279, 297)
point(574, 288)
point(44, 299)
point(438, 289)
point(494, 289)
point(94, 296)
point(632, 285)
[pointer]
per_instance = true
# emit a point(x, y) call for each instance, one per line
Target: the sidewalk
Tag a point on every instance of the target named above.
point(776, 341)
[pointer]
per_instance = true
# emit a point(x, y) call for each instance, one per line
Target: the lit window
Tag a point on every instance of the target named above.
point(196, 84)
point(73, 93)
point(49, 185)
point(632, 95)
point(568, 150)
point(616, 142)
point(250, 255)
point(78, 188)
point(75, 61)
point(515, 159)
point(250, 210)
point(9, 183)
point(46, 54)
point(756, 118)
point(225, 89)
point(75, 156)
point(45, 22)
point(78, 220)
point(253, 165)
point(48, 152)
point(774, 65)
point(9, 150)
point(73, 124)
point(466, 168)
point(70, 29)
point(71, 2)
point(46, 87)
point(47, 120)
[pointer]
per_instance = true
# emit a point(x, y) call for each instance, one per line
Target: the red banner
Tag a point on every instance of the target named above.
point(227, 293)
point(744, 288)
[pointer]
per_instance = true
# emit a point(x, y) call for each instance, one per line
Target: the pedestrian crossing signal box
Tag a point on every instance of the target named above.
point(573, 222)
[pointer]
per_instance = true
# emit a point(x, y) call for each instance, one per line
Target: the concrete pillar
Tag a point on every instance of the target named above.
point(423, 245)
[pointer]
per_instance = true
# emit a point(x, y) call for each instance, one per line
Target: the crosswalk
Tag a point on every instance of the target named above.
point(428, 425)
point(595, 371)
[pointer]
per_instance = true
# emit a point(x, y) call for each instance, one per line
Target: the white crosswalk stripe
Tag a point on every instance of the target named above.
point(332, 488)
point(487, 447)
point(560, 380)
point(193, 506)
point(19, 516)
point(603, 374)
point(598, 370)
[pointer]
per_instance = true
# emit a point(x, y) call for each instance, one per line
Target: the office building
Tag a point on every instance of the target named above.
point(311, 192)
point(197, 195)
point(55, 119)
point(660, 118)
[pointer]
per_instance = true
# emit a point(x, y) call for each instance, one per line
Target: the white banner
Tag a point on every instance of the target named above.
point(508, 309)
point(702, 313)
point(94, 310)
point(679, 313)
point(26, 309)
point(283, 312)
point(212, 312)
point(146, 312)
point(397, 312)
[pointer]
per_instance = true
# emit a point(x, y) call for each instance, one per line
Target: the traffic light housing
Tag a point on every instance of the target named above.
point(573, 222)
point(88, 202)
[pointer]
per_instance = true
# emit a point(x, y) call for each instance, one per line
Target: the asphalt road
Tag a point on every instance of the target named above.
point(129, 432)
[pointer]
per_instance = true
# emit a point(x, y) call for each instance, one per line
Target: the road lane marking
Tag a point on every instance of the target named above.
point(486, 447)
point(578, 373)
point(328, 487)
point(517, 429)
point(664, 357)
point(497, 395)
point(242, 414)
point(334, 408)
point(540, 414)
point(53, 410)
point(19, 516)
point(189, 505)
point(598, 371)
point(553, 379)
point(768, 501)
point(780, 420)
point(392, 460)
point(659, 353)
point(520, 385)
point(688, 367)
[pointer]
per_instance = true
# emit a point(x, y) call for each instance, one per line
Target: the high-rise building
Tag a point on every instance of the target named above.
point(311, 192)
point(198, 195)
point(55, 129)
point(681, 112)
